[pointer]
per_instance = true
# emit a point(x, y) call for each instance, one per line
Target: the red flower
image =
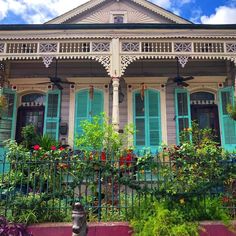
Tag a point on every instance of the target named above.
point(53, 148)
point(103, 156)
point(122, 161)
point(225, 199)
point(36, 147)
point(128, 159)
point(61, 148)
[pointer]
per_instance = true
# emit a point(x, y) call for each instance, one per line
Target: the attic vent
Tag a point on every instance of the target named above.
point(118, 19)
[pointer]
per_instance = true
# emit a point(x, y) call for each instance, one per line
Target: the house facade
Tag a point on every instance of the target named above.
point(130, 59)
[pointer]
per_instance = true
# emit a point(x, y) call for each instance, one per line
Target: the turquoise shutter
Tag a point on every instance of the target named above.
point(139, 121)
point(182, 111)
point(227, 125)
point(7, 122)
point(147, 120)
point(86, 108)
point(81, 110)
point(52, 114)
point(96, 107)
point(154, 121)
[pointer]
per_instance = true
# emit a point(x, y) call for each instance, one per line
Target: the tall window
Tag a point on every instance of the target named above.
point(87, 106)
point(147, 119)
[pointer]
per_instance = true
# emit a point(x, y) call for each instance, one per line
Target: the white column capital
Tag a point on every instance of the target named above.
point(115, 82)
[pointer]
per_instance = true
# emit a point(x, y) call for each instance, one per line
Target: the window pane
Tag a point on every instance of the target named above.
point(139, 105)
point(183, 123)
point(153, 103)
point(52, 105)
point(140, 131)
point(33, 99)
point(182, 99)
point(119, 19)
point(225, 96)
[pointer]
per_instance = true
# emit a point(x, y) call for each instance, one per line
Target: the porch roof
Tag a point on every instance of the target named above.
point(18, 27)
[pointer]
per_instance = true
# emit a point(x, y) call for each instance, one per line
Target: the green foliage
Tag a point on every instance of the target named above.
point(46, 142)
point(196, 166)
point(156, 219)
point(29, 136)
point(3, 104)
point(231, 110)
point(99, 135)
point(38, 208)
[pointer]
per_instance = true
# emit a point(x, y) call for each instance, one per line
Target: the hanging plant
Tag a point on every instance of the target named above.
point(142, 92)
point(3, 104)
point(231, 110)
point(91, 92)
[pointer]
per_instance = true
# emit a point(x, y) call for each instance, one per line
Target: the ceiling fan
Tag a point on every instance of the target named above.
point(57, 81)
point(178, 79)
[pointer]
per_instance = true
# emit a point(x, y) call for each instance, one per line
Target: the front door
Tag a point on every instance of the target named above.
point(206, 116)
point(30, 115)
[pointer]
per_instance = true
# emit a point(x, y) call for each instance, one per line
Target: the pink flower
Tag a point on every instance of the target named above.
point(61, 148)
point(36, 147)
point(53, 148)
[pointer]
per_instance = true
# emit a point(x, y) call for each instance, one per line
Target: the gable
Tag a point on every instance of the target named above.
point(104, 12)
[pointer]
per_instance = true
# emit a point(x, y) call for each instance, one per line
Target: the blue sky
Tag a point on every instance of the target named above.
point(40, 11)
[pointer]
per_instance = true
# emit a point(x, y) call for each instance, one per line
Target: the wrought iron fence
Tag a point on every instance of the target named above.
point(42, 187)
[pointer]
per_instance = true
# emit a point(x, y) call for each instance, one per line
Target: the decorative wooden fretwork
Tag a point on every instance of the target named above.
point(183, 47)
point(47, 47)
point(2, 45)
point(130, 47)
point(183, 60)
point(126, 60)
point(105, 61)
point(100, 47)
point(47, 60)
point(209, 47)
point(231, 47)
point(202, 102)
point(74, 47)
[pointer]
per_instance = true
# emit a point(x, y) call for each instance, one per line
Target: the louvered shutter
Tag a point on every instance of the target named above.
point(96, 104)
point(227, 125)
point(147, 120)
point(52, 114)
point(86, 108)
point(139, 121)
point(7, 122)
point(182, 111)
point(81, 110)
point(154, 136)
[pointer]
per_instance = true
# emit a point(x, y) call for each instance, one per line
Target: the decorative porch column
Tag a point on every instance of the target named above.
point(115, 105)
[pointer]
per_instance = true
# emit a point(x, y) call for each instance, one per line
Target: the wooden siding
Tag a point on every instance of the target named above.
point(135, 14)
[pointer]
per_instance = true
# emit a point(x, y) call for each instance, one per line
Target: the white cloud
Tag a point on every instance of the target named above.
point(223, 15)
point(3, 9)
point(37, 11)
point(163, 3)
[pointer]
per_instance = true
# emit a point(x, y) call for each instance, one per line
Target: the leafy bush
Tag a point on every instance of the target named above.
point(156, 219)
point(7, 229)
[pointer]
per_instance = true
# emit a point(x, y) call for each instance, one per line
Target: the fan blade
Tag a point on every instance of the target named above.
point(188, 78)
point(44, 83)
point(66, 82)
point(182, 84)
